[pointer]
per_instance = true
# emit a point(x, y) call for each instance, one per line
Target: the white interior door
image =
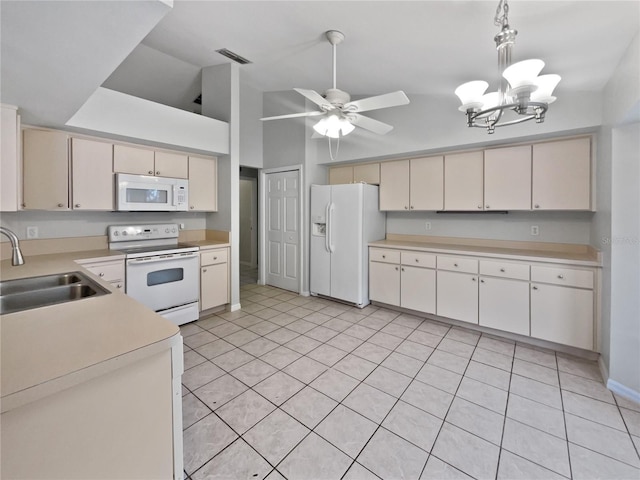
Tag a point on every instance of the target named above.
point(282, 232)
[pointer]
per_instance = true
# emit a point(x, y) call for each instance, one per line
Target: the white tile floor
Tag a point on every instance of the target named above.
point(303, 388)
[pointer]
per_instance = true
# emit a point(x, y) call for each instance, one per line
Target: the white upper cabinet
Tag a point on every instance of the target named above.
point(91, 174)
point(174, 165)
point(9, 159)
point(367, 173)
point(463, 181)
point(137, 161)
point(562, 175)
point(507, 178)
point(394, 185)
point(427, 183)
point(203, 184)
point(340, 175)
point(45, 170)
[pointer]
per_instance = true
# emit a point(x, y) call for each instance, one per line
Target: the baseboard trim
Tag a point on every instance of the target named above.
point(234, 307)
point(623, 391)
point(604, 371)
point(305, 293)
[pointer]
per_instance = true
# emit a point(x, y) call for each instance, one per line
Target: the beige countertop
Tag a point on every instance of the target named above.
point(46, 349)
point(206, 244)
point(588, 257)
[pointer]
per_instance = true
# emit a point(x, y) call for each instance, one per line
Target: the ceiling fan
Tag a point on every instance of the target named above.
point(339, 114)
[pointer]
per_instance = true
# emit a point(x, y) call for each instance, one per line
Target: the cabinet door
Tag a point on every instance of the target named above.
point(457, 296)
point(418, 289)
point(91, 173)
point(463, 181)
point(340, 175)
point(46, 170)
point(562, 315)
point(507, 178)
point(214, 286)
point(173, 165)
point(427, 183)
point(9, 141)
point(562, 175)
point(137, 161)
point(504, 304)
point(384, 283)
point(203, 184)
point(369, 173)
point(394, 185)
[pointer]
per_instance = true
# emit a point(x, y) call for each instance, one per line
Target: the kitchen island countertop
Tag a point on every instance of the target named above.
point(48, 349)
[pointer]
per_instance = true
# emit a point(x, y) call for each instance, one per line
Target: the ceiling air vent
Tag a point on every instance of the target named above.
point(233, 56)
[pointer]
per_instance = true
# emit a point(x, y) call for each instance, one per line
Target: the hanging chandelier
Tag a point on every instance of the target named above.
point(522, 93)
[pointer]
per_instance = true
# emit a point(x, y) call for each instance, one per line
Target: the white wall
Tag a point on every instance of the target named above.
point(620, 105)
point(250, 125)
point(86, 224)
point(556, 227)
point(624, 366)
point(283, 141)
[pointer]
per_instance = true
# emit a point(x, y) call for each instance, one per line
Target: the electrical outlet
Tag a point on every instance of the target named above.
point(535, 231)
point(181, 226)
point(32, 232)
point(427, 226)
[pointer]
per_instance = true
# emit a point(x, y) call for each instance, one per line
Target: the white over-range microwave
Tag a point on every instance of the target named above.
point(144, 193)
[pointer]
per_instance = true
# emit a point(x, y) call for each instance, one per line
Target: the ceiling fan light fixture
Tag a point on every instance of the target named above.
point(333, 126)
point(521, 90)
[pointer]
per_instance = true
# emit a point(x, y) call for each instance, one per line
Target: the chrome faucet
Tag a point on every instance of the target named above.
point(16, 257)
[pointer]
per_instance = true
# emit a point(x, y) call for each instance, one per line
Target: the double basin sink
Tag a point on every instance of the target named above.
point(27, 293)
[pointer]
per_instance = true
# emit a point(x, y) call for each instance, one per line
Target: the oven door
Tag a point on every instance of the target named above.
point(164, 281)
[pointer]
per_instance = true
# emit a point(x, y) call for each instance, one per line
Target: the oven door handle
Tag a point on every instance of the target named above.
point(161, 258)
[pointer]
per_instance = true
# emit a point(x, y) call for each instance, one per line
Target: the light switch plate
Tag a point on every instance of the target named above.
point(535, 231)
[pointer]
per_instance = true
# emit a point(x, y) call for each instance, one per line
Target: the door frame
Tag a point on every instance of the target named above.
point(254, 221)
point(262, 234)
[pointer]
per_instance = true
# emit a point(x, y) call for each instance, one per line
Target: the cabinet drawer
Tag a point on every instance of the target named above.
point(107, 271)
point(213, 257)
point(518, 271)
point(570, 277)
point(458, 264)
point(384, 255)
point(418, 259)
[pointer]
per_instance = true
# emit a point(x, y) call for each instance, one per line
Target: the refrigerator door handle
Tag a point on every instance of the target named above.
point(330, 229)
point(327, 227)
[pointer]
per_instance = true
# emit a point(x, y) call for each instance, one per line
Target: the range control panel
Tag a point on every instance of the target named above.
point(157, 231)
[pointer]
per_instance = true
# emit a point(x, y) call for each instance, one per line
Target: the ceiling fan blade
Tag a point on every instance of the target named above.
point(370, 124)
point(315, 97)
point(387, 100)
point(294, 115)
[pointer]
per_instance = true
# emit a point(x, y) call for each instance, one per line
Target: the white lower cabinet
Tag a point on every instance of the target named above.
point(504, 304)
point(548, 301)
point(384, 283)
point(457, 296)
point(418, 289)
point(562, 315)
point(214, 278)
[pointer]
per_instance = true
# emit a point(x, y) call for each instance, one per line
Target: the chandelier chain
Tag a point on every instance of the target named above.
point(502, 20)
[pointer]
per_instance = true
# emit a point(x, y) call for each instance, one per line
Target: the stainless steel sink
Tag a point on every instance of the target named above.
point(27, 293)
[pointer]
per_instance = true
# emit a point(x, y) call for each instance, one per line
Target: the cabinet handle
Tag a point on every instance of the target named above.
point(150, 172)
point(502, 270)
point(215, 258)
point(61, 205)
point(560, 276)
point(473, 279)
point(396, 268)
point(487, 206)
point(534, 288)
point(77, 205)
point(191, 207)
point(481, 281)
point(384, 256)
point(406, 208)
point(455, 264)
point(417, 260)
point(411, 207)
point(119, 285)
point(101, 274)
point(204, 270)
point(480, 207)
point(403, 269)
point(157, 173)
point(536, 206)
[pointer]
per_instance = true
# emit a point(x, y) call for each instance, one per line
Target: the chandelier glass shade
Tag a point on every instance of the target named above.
point(522, 93)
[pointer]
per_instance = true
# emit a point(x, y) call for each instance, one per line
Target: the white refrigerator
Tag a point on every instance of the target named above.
point(344, 219)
